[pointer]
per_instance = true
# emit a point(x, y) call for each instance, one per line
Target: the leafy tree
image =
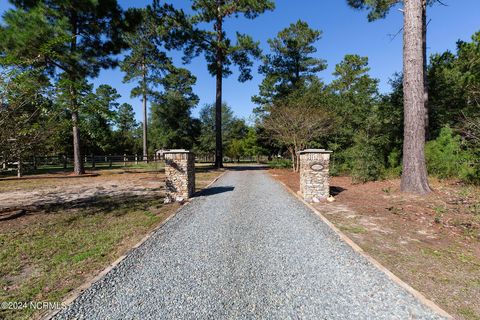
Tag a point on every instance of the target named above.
point(100, 109)
point(125, 119)
point(126, 127)
point(219, 52)
point(369, 124)
point(172, 125)
point(455, 87)
point(290, 65)
point(26, 115)
point(251, 144)
point(73, 39)
point(298, 120)
point(235, 150)
point(357, 93)
point(233, 128)
point(446, 157)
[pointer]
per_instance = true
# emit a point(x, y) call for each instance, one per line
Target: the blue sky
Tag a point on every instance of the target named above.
point(345, 31)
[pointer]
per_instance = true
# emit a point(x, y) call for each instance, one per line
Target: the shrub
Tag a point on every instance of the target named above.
point(394, 164)
point(339, 165)
point(279, 163)
point(365, 159)
point(447, 159)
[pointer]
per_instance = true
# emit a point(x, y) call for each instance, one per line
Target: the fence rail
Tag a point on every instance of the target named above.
point(64, 162)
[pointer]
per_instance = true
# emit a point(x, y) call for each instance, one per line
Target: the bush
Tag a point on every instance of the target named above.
point(339, 164)
point(366, 162)
point(447, 159)
point(394, 164)
point(280, 163)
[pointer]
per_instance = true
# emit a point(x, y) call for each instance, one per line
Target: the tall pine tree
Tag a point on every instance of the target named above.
point(74, 39)
point(291, 64)
point(414, 174)
point(219, 51)
point(146, 64)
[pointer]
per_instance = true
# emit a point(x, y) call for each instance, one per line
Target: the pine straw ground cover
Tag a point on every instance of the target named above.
point(46, 253)
point(432, 242)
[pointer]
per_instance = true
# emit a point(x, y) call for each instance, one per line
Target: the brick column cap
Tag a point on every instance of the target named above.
point(177, 151)
point(315, 151)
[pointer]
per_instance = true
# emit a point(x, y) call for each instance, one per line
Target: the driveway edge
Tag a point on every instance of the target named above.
point(86, 285)
point(424, 300)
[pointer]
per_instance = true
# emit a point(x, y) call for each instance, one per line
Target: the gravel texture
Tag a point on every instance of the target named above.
point(245, 249)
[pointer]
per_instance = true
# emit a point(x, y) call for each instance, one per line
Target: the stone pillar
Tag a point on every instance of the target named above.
point(179, 175)
point(314, 177)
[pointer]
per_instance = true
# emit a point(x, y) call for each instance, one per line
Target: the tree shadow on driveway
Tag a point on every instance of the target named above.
point(214, 190)
point(231, 167)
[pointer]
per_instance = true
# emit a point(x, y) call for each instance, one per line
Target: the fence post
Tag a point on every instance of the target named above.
point(124, 159)
point(136, 158)
point(93, 160)
point(110, 161)
point(19, 168)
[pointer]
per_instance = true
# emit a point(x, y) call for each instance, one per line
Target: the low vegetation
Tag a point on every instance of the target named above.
point(46, 254)
point(431, 242)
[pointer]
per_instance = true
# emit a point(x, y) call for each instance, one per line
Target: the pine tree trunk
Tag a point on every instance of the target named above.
point(145, 141)
point(414, 175)
point(145, 145)
point(425, 79)
point(218, 101)
point(78, 168)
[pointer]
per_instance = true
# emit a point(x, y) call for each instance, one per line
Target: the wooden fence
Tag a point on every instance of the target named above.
point(64, 162)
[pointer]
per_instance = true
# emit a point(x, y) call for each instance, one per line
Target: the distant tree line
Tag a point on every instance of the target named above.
point(363, 127)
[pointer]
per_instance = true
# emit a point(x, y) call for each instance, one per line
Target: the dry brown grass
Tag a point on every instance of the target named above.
point(432, 242)
point(47, 253)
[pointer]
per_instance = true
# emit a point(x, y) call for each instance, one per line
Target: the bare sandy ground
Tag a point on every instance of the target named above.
point(31, 194)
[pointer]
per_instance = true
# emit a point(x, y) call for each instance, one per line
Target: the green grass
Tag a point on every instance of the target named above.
point(46, 255)
point(50, 169)
point(44, 260)
point(469, 314)
point(280, 164)
point(353, 229)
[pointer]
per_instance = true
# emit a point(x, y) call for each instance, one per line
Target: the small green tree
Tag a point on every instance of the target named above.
point(27, 117)
point(126, 127)
point(100, 109)
point(447, 159)
point(171, 123)
point(234, 128)
point(291, 64)
point(235, 150)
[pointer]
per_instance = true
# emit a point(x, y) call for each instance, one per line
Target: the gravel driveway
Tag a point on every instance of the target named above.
point(245, 249)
